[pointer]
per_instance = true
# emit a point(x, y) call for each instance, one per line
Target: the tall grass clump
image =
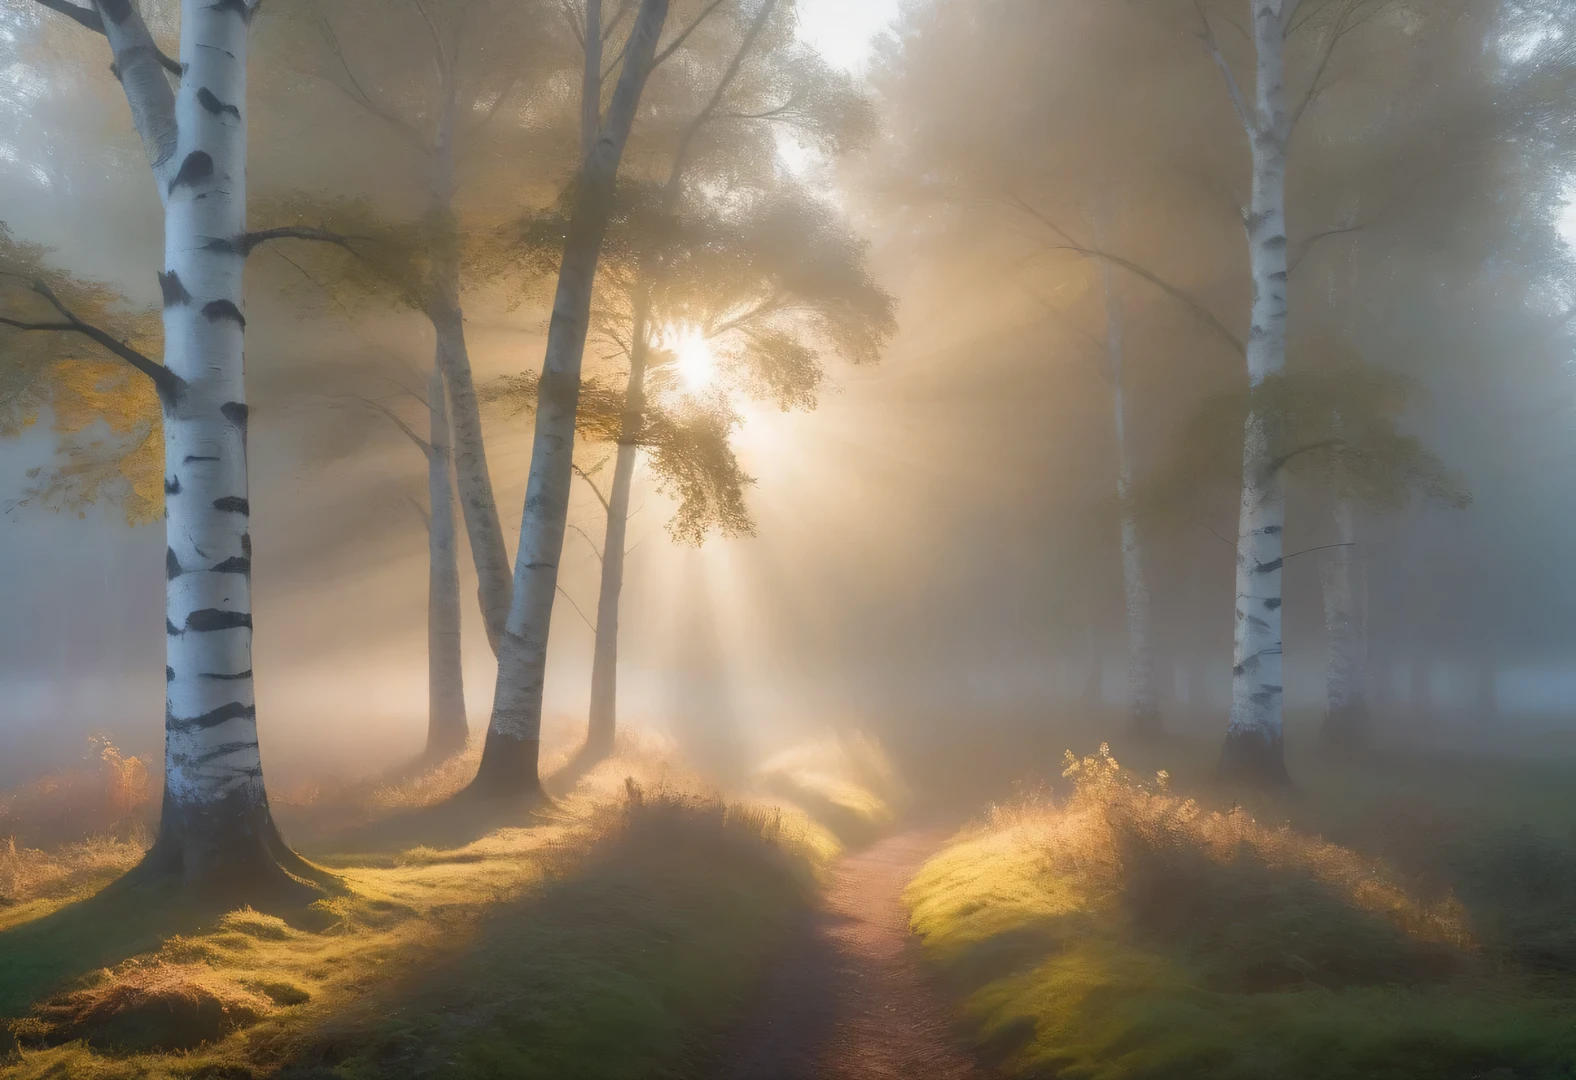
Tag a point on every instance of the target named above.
point(1125, 931)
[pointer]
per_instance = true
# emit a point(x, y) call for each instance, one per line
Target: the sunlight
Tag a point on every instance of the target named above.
point(693, 359)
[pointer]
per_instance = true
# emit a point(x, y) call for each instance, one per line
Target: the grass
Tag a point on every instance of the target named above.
point(602, 938)
point(1125, 931)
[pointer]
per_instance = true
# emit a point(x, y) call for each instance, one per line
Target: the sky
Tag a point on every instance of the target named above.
point(842, 29)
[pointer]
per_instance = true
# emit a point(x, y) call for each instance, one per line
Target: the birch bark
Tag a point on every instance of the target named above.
point(510, 755)
point(447, 729)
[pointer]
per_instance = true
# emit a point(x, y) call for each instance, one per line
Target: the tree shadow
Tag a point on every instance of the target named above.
point(453, 822)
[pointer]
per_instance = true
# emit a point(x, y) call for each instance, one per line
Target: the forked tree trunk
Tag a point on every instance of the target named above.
point(1143, 708)
point(510, 755)
point(447, 729)
point(216, 833)
point(1254, 751)
point(478, 505)
point(1344, 580)
point(603, 724)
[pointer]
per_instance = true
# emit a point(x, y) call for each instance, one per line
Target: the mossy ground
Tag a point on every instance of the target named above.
point(601, 936)
point(1123, 931)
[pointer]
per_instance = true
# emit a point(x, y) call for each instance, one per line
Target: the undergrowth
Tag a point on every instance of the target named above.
point(1125, 931)
point(599, 938)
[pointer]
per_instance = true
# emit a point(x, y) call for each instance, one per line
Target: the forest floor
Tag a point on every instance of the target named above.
point(607, 936)
point(847, 998)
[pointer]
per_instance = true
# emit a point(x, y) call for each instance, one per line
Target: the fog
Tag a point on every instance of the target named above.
point(936, 543)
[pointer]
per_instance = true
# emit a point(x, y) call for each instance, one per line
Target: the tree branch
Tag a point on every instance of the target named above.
point(601, 498)
point(1321, 547)
point(587, 538)
point(1238, 102)
point(1277, 464)
point(359, 95)
point(90, 18)
point(291, 232)
point(1337, 31)
point(426, 447)
point(166, 381)
point(1192, 303)
point(576, 606)
point(686, 32)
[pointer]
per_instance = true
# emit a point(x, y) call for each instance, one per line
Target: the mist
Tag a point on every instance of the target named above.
point(947, 471)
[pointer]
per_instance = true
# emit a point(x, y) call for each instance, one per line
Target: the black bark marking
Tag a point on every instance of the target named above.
point(1261, 698)
point(236, 412)
point(234, 565)
point(1254, 620)
point(169, 628)
point(1273, 603)
point(209, 619)
point(1238, 670)
point(1279, 275)
point(172, 486)
point(172, 565)
point(237, 6)
point(1267, 567)
point(223, 244)
point(247, 674)
point(246, 544)
point(1270, 530)
point(169, 673)
point(1257, 332)
point(215, 310)
point(214, 717)
point(222, 749)
point(199, 457)
point(174, 292)
point(115, 10)
point(1275, 242)
point(208, 100)
point(197, 167)
point(233, 504)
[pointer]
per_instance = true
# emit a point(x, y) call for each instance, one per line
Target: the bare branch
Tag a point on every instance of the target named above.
point(673, 45)
point(426, 447)
point(587, 538)
point(426, 518)
point(1321, 547)
point(359, 95)
point(1277, 464)
point(291, 232)
point(576, 606)
point(590, 483)
point(85, 16)
point(1336, 32)
point(1192, 303)
point(1238, 102)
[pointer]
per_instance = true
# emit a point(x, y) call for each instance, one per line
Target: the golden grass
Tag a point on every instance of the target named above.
point(249, 991)
point(1124, 931)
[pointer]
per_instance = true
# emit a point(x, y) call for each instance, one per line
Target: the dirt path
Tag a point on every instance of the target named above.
point(848, 999)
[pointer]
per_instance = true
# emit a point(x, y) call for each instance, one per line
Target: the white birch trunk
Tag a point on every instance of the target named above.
point(1253, 750)
point(447, 729)
point(1344, 582)
point(1143, 709)
point(478, 505)
point(604, 666)
point(509, 758)
point(216, 831)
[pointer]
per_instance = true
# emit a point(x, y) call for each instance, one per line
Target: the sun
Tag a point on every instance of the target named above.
point(693, 359)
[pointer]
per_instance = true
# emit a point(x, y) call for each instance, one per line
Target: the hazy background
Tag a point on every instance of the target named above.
point(934, 550)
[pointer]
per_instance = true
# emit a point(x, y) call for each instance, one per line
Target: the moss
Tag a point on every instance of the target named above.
point(1126, 932)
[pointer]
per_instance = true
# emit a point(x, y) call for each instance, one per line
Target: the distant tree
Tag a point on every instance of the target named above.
point(511, 752)
point(216, 832)
point(760, 284)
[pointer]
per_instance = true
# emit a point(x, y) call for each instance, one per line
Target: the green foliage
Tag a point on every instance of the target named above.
point(1336, 424)
point(105, 413)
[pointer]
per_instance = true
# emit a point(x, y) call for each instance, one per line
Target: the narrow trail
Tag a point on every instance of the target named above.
point(848, 999)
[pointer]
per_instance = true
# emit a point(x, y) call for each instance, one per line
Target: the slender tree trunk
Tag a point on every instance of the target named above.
point(216, 833)
point(1143, 710)
point(1254, 751)
point(1344, 582)
point(478, 505)
point(447, 729)
point(509, 758)
point(604, 664)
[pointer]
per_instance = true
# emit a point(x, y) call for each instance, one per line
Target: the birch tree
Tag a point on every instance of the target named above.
point(216, 832)
point(510, 754)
